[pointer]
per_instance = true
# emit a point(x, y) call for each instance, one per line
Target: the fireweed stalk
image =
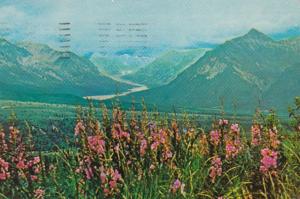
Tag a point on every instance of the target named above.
point(266, 138)
point(233, 143)
point(94, 157)
point(18, 166)
point(216, 168)
point(268, 161)
point(270, 152)
point(256, 131)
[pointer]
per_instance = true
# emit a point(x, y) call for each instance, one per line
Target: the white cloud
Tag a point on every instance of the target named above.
point(171, 22)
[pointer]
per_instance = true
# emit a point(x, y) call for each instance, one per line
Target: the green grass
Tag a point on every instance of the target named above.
point(63, 168)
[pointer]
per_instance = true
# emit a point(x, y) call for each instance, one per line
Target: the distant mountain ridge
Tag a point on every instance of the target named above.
point(119, 65)
point(246, 72)
point(166, 67)
point(36, 69)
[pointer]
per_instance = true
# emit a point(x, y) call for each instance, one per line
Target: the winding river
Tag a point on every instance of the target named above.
point(138, 88)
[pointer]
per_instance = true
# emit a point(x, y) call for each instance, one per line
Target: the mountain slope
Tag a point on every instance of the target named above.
point(39, 69)
point(243, 73)
point(118, 65)
point(165, 68)
point(285, 88)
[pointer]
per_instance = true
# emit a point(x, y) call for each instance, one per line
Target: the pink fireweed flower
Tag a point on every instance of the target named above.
point(112, 184)
point(231, 150)
point(37, 170)
point(177, 185)
point(106, 191)
point(115, 134)
point(158, 138)
point(154, 146)
point(232, 142)
point(118, 133)
point(3, 145)
point(223, 122)
point(103, 177)
point(216, 168)
point(269, 160)
point(143, 147)
point(85, 167)
point(162, 136)
point(215, 137)
point(274, 142)
point(21, 165)
point(39, 193)
point(3, 176)
point(79, 127)
point(88, 173)
point(235, 128)
point(109, 178)
point(124, 134)
point(4, 166)
point(36, 160)
point(256, 135)
point(33, 177)
point(167, 154)
point(96, 144)
point(116, 175)
point(29, 164)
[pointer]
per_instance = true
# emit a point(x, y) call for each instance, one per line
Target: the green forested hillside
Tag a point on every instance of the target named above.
point(245, 72)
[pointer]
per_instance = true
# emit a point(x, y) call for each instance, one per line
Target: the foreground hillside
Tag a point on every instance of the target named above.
point(32, 71)
point(243, 73)
point(152, 156)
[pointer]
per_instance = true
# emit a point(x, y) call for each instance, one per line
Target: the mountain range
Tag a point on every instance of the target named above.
point(243, 73)
point(165, 68)
point(31, 71)
point(119, 65)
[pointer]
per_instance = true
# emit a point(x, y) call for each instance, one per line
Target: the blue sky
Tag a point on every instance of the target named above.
point(171, 23)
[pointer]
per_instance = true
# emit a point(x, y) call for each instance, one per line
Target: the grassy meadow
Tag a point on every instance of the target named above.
point(111, 153)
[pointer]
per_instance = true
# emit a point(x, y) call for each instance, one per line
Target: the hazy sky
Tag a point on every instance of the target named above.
point(173, 23)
